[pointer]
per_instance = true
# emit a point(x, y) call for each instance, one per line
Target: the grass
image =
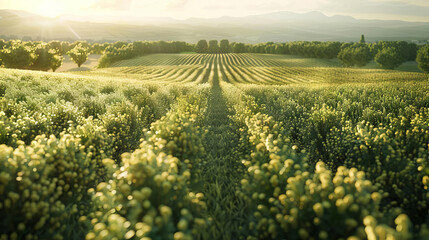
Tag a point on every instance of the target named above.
point(409, 66)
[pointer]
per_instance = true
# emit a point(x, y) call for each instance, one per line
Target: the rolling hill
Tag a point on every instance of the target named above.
point(277, 27)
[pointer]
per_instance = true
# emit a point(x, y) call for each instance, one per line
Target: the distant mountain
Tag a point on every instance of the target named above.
point(133, 20)
point(276, 27)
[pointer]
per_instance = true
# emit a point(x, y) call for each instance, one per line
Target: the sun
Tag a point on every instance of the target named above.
point(50, 8)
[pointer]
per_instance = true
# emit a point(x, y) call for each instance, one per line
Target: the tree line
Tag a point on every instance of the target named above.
point(44, 56)
point(387, 54)
point(49, 56)
point(123, 50)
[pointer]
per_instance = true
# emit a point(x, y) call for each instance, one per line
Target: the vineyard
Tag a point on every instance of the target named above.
point(215, 146)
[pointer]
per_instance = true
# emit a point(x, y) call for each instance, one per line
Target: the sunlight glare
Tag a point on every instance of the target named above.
point(50, 8)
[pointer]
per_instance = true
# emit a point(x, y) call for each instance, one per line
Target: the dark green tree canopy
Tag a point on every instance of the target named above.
point(213, 46)
point(355, 55)
point(388, 58)
point(239, 48)
point(113, 54)
point(423, 58)
point(224, 46)
point(202, 46)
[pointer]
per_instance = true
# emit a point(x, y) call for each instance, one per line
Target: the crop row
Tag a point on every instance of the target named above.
point(60, 139)
point(82, 157)
point(291, 197)
point(380, 129)
point(245, 69)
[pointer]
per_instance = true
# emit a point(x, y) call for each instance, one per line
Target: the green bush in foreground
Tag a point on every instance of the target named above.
point(150, 197)
point(291, 201)
point(44, 188)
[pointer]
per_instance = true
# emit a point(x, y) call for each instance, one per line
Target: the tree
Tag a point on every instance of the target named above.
point(182, 46)
point(239, 48)
point(84, 44)
point(165, 47)
point(65, 47)
point(109, 56)
point(17, 56)
point(362, 56)
point(355, 55)
point(375, 48)
point(388, 58)
point(56, 62)
point(346, 56)
point(279, 49)
point(46, 58)
point(331, 49)
point(96, 48)
point(412, 51)
point(2, 44)
point(57, 46)
point(119, 44)
point(139, 48)
point(213, 46)
point(202, 46)
point(423, 58)
point(224, 46)
point(79, 54)
point(408, 51)
point(362, 39)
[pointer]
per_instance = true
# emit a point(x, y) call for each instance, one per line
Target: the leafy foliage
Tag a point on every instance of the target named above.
point(356, 55)
point(224, 46)
point(202, 46)
point(79, 54)
point(388, 58)
point(17, 56)
point(213, 46)
point(423, 58)
point(46, 59)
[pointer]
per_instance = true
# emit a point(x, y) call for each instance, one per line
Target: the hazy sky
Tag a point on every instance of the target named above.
point(382, 9)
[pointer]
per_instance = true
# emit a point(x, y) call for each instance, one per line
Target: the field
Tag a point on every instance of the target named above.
point(258, 69)
point(215, 146)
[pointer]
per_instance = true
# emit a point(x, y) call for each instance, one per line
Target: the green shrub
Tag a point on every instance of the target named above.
point(44, 188)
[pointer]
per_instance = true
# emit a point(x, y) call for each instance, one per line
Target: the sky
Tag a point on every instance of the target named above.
point(408, 10)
